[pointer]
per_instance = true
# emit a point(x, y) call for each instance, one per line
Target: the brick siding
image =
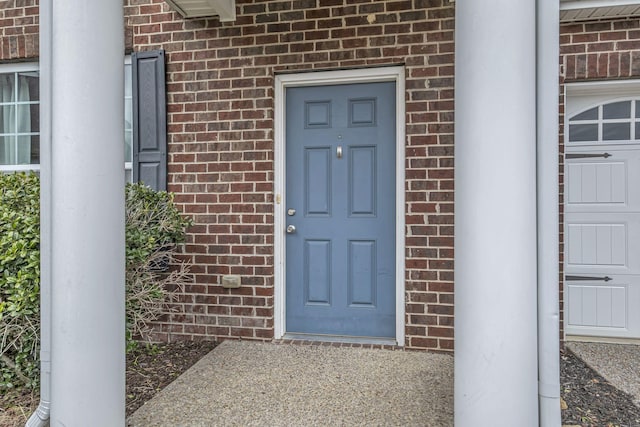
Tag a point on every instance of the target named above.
point(220, 111)
point(220, 82)
point(221, 108)
point(600, 50)
point(18, 30)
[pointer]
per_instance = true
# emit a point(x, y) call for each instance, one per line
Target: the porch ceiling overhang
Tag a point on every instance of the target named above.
point(225, 9)
point(586, 10)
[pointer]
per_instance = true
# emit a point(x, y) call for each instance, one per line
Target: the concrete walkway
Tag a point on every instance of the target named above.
point(617, 363)
point(243, 383)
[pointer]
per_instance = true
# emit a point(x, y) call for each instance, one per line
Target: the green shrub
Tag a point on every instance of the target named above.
point(154, 229)
point(19, 279)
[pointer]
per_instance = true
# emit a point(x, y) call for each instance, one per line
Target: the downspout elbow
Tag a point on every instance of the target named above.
point(40, 418)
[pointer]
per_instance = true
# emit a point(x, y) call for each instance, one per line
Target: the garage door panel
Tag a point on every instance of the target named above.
point(604, 309)
point(602, 241)
point(597, 243)
point(596, 182)
point(598, 306)
point(603, 184)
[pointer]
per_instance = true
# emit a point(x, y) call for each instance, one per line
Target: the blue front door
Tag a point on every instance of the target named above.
point(340, 196)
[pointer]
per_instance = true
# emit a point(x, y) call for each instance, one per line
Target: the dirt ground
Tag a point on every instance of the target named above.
point(149, 370)
point(588, 400)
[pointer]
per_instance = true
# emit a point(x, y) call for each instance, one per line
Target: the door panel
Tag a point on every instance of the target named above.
point(317, 272)
point(602, 241)
point(596, 246)
point(596, 305)
point(362, 277)
point(340, 181)
point(362, 181)
point(606, 309)
point(317, 180)
point(603, 184)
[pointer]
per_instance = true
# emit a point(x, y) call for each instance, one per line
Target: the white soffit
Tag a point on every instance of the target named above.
point(584, 10)
point(225, 9)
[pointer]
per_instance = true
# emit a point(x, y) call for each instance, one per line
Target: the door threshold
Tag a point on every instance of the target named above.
point(339, 339)
point(601, 339)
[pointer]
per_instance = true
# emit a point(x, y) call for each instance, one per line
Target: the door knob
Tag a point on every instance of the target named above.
point(291, 229)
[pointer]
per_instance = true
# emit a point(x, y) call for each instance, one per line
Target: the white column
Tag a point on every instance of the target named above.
point(87, 217)
point(495, 176)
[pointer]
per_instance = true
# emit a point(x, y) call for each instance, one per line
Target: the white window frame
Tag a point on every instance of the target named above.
point(128, 166)
point(19, 68)
point(35, 67)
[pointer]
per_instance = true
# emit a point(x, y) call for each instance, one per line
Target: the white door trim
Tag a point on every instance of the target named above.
point(369, 75)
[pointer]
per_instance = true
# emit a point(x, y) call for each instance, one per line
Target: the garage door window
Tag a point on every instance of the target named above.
point(612, 122)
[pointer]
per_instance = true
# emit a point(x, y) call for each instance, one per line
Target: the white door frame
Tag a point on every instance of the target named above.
point(369, 75)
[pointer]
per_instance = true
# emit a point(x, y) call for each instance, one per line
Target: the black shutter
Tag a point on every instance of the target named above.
point(149, 119)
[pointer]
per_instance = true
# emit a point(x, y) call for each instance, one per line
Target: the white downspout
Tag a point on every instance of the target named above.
point(40, 417)
point(548, 23)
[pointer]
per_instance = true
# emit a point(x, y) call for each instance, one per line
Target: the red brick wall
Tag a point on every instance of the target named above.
point(220, 96)
point(18, 29)
point(600, 50)
point(594, 51)
point(220, 106)
point(220, 112)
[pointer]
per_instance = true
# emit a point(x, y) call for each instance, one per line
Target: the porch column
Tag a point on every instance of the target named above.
point(495, 176)
point(87, 214)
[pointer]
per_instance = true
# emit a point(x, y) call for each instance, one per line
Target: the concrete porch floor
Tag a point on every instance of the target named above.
point(617, 363)
point(242, 383)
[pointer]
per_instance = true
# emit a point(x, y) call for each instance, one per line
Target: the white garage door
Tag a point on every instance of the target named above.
point(602, 220)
